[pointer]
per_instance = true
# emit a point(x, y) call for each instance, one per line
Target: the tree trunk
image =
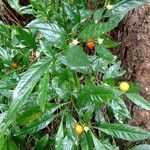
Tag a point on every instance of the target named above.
point(134, 33)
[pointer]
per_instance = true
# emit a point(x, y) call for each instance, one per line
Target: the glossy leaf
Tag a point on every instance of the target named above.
point(84, 143)
point(98, 95)
point(121, 9)
point(2, 139)
point(10, 145)
point(70, 122)
point(47, 118)
point(97, 144)
point(141, 147)
point(114, 71)
point(95, 30)
point(31, 114)
point(26, 84)
point(59, 137)
point(51, 31)
point(67, 143)
point(120, 110)
point(26, 38)
point(43, 89)
point(97, 15)
point(138, 100)
point(105, 53)
point(124, 131)
point(76, 57)
point(109, 43)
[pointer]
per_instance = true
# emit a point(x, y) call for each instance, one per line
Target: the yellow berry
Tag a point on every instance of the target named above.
point(124, 86)
point(79, 129)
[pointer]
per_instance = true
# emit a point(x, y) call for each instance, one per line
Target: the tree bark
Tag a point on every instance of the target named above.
point(134, 34)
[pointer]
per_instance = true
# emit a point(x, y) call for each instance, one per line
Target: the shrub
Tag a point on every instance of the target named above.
point(58, 79)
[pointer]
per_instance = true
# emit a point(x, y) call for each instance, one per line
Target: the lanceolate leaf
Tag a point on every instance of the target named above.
point(43, 89)
point(138, 100)
point(124, 131)
point(120, 110)
point(59, 137)
point(76, 57)
point(10, 145)
point(26, 84)
point(97, 15)
point(2, 140)
point(97, 94)
point(51, 31)
point(41, 123)
point(141, 147)
point(97, 144)
point(121, 9)
point(114, 71)
point(67, 143)
point(115, 16)
point(105, 53)
point(96, 30)
point(32, 114)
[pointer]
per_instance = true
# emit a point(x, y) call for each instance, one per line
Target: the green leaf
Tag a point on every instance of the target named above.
point(2, 139)
point(47, 118)
point(84, 143)
point(141, 147)
point(67, 143)
point(121, 9)
point(4, 54)
point(115, 16)
point(43, 89)
point(51, 31)
point(138, 100)
point(120, 110)
point(76, 57)
point(31, 114)
point(98, 95)
point(86, 112)
point(105, 53)
point(9, 145)
point(89, 140)
point(124, 131)
point(37, 126)
point(70, 121)
point(41, 144)
point(59, 137)
point(96, 30)
point(97, 144)
point(98, 15)
point(114, 71)
point(26, 85)
point(28, 116)
point(26, 38)
point(108, 43)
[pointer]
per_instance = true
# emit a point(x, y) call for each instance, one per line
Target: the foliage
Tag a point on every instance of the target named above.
point(59, 81)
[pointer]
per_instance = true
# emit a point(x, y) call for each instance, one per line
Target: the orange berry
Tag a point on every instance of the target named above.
point(90, 44)
point(14, 65)
point(79, 129)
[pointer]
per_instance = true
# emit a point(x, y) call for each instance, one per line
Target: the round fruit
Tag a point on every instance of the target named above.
point(14, 65)
point(90, 44)
point(124, 86)
point(79, 129)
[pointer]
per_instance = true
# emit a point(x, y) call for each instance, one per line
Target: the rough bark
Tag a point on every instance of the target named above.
point(134, 33)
